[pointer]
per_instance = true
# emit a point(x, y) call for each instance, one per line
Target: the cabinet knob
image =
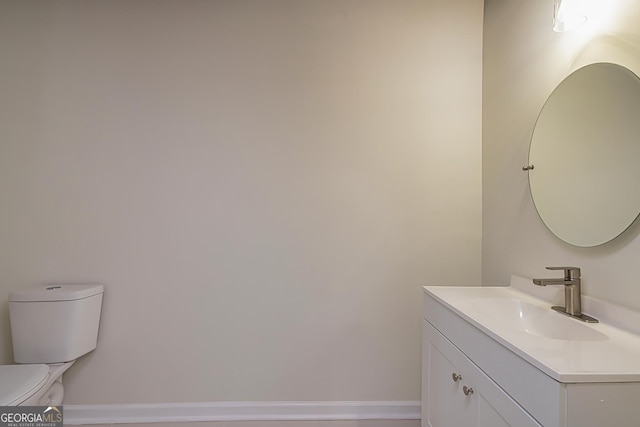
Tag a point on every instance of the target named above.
point(456, 377)
point(467, 390)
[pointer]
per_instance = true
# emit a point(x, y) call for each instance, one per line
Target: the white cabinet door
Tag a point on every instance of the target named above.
point(456, 393)
point(444, 403)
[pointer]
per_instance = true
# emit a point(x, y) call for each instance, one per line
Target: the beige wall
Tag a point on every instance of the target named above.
point(261, 185)
point(523, 62)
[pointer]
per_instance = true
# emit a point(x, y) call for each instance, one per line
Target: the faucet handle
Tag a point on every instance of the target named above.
point(569, 272)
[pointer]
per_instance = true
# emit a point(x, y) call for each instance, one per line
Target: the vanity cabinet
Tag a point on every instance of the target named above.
point(470, 378)
point(457, 393)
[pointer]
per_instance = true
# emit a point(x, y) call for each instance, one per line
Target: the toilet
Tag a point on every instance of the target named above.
point(51, 327)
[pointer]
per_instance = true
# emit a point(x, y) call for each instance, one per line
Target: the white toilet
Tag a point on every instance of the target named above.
point(51, 326)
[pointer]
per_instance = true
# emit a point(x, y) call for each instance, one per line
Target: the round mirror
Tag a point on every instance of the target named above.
point(585, 153)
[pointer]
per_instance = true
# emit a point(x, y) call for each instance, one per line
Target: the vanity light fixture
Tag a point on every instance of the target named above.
point(568, 14)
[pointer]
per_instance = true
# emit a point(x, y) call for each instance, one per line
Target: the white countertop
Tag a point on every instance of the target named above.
point(613, 357)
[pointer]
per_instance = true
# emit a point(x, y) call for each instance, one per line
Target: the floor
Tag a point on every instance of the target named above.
point(345, 423)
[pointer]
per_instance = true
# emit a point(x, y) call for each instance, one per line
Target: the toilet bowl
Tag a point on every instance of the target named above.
point(51, 327)
point(32, 385)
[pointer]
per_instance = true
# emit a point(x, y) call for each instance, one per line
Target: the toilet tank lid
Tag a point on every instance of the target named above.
point(66, 292)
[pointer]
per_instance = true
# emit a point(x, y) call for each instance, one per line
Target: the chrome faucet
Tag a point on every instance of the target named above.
point(572, 298)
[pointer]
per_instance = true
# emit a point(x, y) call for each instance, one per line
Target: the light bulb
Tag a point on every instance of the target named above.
point(568, 14)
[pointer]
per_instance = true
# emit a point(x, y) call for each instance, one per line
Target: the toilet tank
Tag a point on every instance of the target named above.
point(54, 323)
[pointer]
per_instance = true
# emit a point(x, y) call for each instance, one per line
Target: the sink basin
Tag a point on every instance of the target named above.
point(532, 319)
point(566, 349)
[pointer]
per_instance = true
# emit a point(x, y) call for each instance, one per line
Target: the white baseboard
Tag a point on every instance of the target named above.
point(239, 411)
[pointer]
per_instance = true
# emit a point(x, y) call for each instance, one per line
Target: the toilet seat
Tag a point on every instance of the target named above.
point(19, 382)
